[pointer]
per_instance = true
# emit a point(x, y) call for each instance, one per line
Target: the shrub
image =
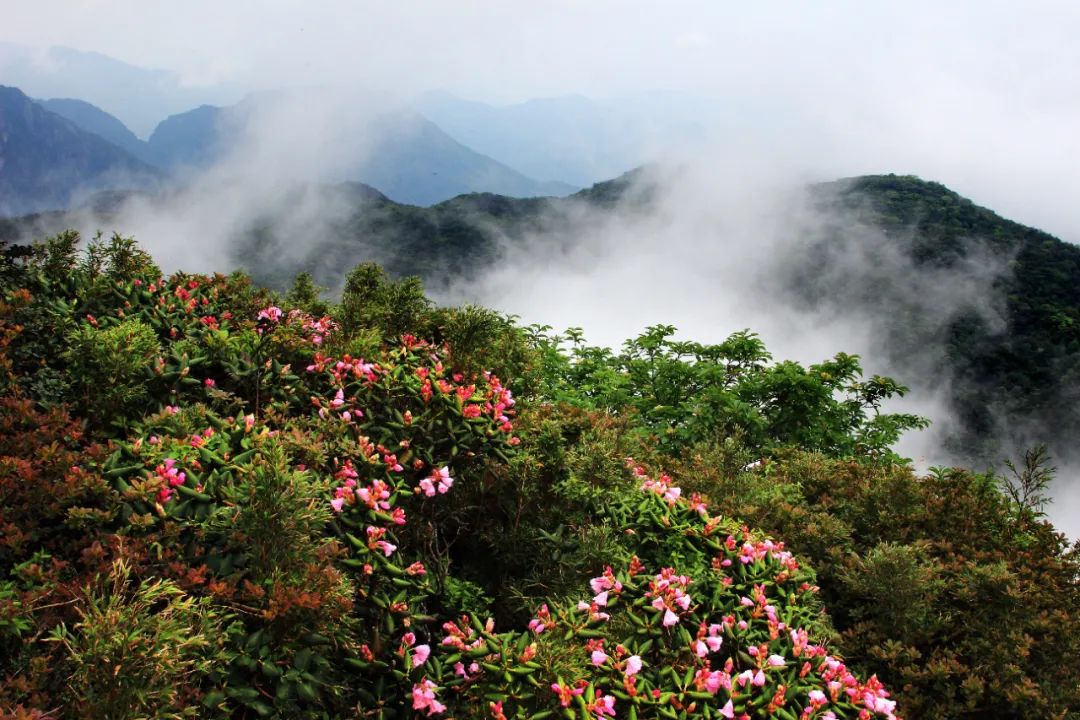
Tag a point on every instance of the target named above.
point(138, 649)
point(111, 367)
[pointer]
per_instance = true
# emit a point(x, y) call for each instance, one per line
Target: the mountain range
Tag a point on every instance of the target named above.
point(59, 150)
point(547, 145)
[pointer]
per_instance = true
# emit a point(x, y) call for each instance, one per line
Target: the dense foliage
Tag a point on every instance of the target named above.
point(220, 502)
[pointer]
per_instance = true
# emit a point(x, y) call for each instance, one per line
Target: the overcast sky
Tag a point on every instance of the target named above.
point(983, 96)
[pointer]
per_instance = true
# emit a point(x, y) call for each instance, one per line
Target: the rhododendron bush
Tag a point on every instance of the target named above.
point(285, 509)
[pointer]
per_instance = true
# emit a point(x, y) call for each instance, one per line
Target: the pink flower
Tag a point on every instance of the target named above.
point(337, 504)
point(376, 542)
point(566, 693)
point(438, 482)
point(170, 476)
point(442, 477)
point(272, 313)
point(817, 698)
point(712, 681)
point(423, 695)
point(606, 581)
point(728, 710)
point(603, 705)
point(633, 665)
point(601, 599)
point(670, 618)
point(599, 657)
point(420, 655)
point(539, 623)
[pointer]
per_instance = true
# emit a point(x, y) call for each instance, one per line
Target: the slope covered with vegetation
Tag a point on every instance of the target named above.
point(1010, 359)
point(216, 501)
point(978, 310)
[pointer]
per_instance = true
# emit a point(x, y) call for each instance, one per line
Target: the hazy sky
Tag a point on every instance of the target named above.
point(983, 96)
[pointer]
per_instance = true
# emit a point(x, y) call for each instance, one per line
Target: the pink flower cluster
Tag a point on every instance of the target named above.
point(197, 441)
point(752, 551)
point(423, 697)
point(170, 477)
point(668, 593)
point(461, 636)
point(335, 405)
point(542, 621)
point(345, 369)
point(604, 586)
point(665, 488)
point(871, 695)
point(567, 693)
point(438, 482)
point(375, 541)
point(268, 317)
point(375, 496)
point(759, 605)
point(500, 403)
point(708, 639)
point(316, 330)
point(602, 706)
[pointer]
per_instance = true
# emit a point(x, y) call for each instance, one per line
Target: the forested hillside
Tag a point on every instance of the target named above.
point(1010, 362)
point(221, 501)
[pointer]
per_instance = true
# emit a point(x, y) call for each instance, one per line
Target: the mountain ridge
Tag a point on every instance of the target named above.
point(406, 156)
point(46, 161)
